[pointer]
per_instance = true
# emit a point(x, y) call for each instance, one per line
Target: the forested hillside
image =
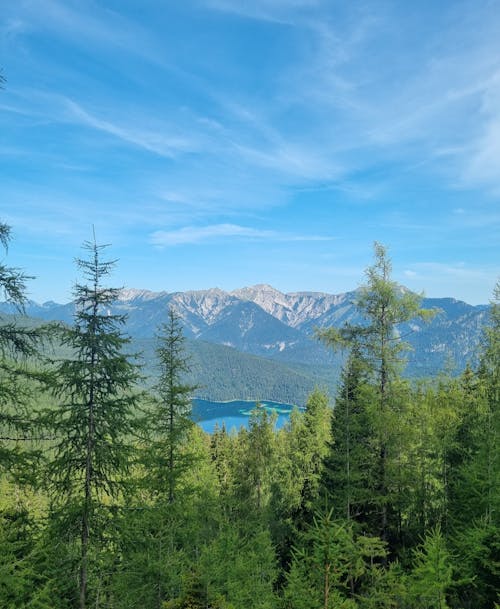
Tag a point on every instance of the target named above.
point(218, 372)
point(113, 498)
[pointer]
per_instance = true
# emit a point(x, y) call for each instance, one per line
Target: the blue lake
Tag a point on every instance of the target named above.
point(236, 413)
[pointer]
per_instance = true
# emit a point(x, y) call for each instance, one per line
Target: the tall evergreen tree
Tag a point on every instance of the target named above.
point(383, 304)
point(169, 420)
point(348, 468)
point(95, 386)
point(474, 498)
point(489, 374)
point(18, 344)
point(301, 448)
point(255, 463)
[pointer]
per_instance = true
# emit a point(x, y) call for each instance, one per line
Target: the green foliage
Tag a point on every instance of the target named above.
point(348, 473)
point(332, 565)
point(301, 448)
point(383, 304)
point(256, 459)
point(16, 543)
point(239, 569)
point(172, 518)
point(431, 577)
point(91, 422)
point(169, 419)
point(18, 380)
point(477, 548)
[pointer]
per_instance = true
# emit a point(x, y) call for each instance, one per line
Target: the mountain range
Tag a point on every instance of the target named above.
point(257, 339)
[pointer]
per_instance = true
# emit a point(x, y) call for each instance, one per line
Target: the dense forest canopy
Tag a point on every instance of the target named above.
point(112, 498)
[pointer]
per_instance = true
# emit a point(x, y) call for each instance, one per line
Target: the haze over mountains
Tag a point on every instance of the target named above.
point(257, 339)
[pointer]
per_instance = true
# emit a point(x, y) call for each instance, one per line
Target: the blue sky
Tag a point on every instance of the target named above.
point(232, 142)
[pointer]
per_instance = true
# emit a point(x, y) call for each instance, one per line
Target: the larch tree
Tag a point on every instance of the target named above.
point(93, 420)
point(382, 304)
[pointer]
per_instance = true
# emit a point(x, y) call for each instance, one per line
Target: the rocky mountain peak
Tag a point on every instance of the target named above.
point(128, 294)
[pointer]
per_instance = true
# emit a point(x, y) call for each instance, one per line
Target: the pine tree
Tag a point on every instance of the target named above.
point(169, 420)
point(238, 569)
point(221, 447)
point(18, 380)
point(489, 374)
point(95, 386)
point(348, 468)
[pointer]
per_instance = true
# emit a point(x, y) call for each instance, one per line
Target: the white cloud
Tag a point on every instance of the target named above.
point(194, 234)
point(70, 20)
point(140, 130)
point(274, 11)
point(199, 234)
point(471, 283)
point(158, 143)
point(295, 161)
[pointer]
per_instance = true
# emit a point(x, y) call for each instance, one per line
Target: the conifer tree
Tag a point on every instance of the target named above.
point(18, 345)
point(489, 374)
point(383, 304)
point(331, 565)
point(221, 448)
point(169, 420)
point(95, 387)
point(475, 489)
point(348, 468)
point(256, 459)
point(301, 448)
point(432, 573)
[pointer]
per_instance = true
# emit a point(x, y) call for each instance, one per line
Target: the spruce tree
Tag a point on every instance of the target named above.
point(348, 473)
point(18, 378)
point(169, 419)
point(92, 422)
point(255, 462)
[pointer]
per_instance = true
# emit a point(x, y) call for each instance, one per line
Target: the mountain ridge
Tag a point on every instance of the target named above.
point(261, 321)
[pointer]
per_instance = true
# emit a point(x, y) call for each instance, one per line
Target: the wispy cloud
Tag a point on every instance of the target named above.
point(295, 161)
point(83, 26)
point(199, 234)
point(140, 130)
point(274, 11)
point(474, 283)
point(484, 153)
point(371, 105)
point(454, 269)
point(159, 143)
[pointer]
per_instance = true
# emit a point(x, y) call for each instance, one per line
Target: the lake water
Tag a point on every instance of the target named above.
point(235, 414)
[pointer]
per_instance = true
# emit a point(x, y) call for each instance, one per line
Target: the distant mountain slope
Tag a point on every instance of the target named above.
point(264, 322)
point(220, 372)
point(223, 373)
